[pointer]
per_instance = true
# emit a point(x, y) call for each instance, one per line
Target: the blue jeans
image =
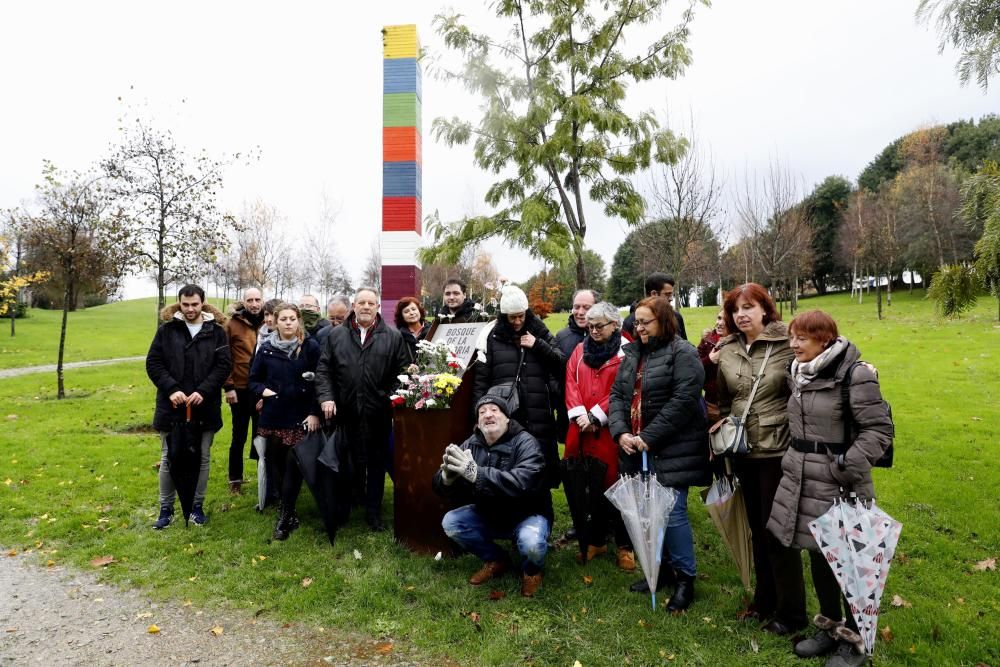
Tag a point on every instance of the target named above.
point(680, 539)
point(467, 528)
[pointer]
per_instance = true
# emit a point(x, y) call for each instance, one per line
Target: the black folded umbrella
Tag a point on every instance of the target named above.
point(184, 457)
point(583, 483)
point(325, 466)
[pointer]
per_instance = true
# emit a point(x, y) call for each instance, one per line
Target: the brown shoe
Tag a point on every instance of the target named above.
point(592, 553)
point(491, 569)
point(530, 584)
point(626, 559)
point(235, 488)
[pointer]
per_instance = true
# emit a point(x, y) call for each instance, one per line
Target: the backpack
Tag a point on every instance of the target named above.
point(885, 461)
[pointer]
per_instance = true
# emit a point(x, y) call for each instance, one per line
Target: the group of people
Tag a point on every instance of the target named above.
point(609, 388)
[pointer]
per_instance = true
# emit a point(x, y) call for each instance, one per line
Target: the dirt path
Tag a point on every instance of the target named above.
point(51, 368)
point(54, 616)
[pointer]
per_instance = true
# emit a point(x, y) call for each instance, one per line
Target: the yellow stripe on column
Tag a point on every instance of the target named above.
point(400, 41)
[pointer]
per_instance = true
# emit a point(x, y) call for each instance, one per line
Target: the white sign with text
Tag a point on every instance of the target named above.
point(461, 337)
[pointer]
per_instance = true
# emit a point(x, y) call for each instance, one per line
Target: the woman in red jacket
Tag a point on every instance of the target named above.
point(590, 372)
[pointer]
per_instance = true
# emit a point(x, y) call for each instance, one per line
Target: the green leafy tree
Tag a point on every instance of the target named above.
point(825, 208)
point(560, 282)
point(972, 27)
point(954, 288)
point(554, 127)
point(981, 206)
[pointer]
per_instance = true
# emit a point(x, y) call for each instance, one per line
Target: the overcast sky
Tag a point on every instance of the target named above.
point(822, 87)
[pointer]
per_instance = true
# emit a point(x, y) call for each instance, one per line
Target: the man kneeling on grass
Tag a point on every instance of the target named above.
point(500, 472)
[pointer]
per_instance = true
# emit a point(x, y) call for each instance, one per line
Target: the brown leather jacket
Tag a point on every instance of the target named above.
point(242, 335)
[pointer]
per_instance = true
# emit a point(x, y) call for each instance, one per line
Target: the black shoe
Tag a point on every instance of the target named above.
point(165, 518)
point(683, 595)
point(847, 655)
point(374, 522)
point(667, 578)
point(780, 628)
point(819, 644)
point(286, 524)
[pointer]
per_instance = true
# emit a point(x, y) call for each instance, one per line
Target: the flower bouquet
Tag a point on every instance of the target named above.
point(430, 383)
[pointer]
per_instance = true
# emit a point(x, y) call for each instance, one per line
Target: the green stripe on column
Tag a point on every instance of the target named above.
point(400, 110)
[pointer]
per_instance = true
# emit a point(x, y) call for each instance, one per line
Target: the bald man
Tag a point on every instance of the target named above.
point(241, 329)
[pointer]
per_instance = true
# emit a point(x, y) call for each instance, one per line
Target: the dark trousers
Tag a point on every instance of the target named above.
point(831, 600)
point(369, 445)
point(291, 478)
point(779, 591)
point(244, 414)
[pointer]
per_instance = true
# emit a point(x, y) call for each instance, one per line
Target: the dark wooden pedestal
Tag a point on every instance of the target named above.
point(420, 438)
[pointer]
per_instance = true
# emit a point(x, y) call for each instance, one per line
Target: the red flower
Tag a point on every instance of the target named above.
point(398, 400)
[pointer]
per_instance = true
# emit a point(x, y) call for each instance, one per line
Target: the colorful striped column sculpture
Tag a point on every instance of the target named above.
point(401, 165)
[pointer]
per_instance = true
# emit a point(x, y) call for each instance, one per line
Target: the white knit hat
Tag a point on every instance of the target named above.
point(513, 300)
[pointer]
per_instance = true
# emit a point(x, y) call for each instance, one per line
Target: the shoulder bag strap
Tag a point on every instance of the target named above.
point(520, 363)
point(756, 382)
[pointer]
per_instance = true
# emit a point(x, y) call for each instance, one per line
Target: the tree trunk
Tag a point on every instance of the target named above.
point(581, 269)
point(878, 295)
point(60, 384)
point(888, 290)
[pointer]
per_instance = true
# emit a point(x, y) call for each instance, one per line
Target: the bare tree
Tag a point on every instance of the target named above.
point(686, 205)
point(775, 225)
point(372, 273)
point(259, 243)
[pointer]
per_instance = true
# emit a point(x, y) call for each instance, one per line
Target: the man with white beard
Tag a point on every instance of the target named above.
point(499, 473)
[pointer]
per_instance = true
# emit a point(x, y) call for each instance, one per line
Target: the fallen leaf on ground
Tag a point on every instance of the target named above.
point(886, 634)
point(977, 419)
point(49, 563)
point(307, 582)
point(587, 579)
point(262, 557)
point(8, 481)
point(144, 614)
point(576, 663)
point(754, 646)
point(984, 565)
point(411, 588)
point(216, 631)
point(102, 561)
point(187, 603)
point(643, 623)
point(437, 556)
point(193, 578)
point(153, 629)
point(12, 552)
point(11, 630)
point(474, 617)
point(385, 648)
point(357, 555)
point(497, 595)
point(900, 602)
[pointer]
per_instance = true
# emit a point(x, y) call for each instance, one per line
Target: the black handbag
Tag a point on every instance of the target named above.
point(509, 391)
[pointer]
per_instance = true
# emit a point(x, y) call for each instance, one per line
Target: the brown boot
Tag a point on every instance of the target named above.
point(235, 488)
point(626, 559)
point(491, 569)
point(530, 584)
point(592, 553)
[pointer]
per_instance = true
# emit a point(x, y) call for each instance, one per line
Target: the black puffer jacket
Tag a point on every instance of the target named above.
point(296, 395)
point(466, 313)
point(360, 379)
point(177, 362)
point(510, 480)
point(671, 410)
point(541, 372)
point(568, 338)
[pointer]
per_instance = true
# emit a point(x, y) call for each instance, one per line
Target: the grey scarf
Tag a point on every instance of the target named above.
point(807, 372)
point(287, 346)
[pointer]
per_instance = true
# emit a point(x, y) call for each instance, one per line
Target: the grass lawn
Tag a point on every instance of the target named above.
point(77, 481)
point(121, 329)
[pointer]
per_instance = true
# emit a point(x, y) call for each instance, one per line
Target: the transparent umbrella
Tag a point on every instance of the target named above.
point(260, 444)
point(644, 504)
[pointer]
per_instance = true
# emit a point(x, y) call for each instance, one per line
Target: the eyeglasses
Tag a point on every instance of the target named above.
point(597, 327)
point(643, 323)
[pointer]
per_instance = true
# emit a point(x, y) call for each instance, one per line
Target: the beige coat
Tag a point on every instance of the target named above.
point(811, 482)
point(767, 422)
